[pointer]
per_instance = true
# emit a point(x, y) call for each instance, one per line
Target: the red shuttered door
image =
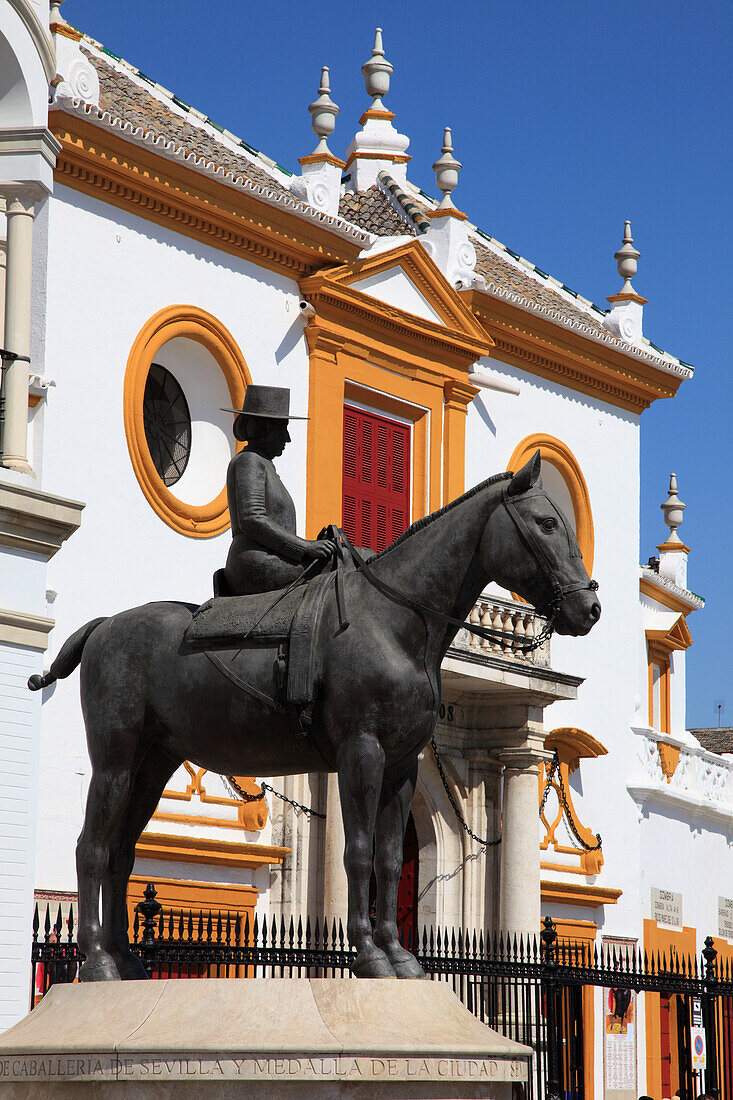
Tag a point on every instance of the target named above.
point(376, 493)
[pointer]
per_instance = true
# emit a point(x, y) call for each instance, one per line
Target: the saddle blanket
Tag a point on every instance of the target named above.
point(268, 617)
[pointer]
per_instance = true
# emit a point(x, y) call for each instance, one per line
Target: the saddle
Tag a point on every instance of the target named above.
point(286, 619)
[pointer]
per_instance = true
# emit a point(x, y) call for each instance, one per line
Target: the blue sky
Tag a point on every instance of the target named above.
point(568, 117)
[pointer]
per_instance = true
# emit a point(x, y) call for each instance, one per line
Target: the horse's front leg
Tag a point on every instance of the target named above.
point(392, 815)
point(360, 771)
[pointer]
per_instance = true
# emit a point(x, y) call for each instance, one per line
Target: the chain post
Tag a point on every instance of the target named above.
point(551, 986)
point(709, 1017)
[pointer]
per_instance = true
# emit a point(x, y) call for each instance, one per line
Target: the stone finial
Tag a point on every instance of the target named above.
point(446, 170)
point(323, 113)
point(55, 15)
point(626, 315)
point(673, 509)
point(627, 260)
point(377, 72)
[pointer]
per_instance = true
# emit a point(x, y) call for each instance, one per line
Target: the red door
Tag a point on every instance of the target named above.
point(406, 890)
point(376, 485)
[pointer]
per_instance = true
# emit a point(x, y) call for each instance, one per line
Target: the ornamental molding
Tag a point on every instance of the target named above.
point(244, 220)
point(570, 359)
point(666, 592)
point(168, 149)
point(38, 34)
point(34, 521)
point(22, 628)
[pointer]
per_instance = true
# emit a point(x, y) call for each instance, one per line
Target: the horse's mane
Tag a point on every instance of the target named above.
point(426, 521)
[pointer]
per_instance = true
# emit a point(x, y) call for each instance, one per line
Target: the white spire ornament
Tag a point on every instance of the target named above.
point(446, 170)
point(377, 72)
point(323, 113)
point(673, 552)
point(673, 509)
point(624, 319)
point(320, 183)
point(377, 147)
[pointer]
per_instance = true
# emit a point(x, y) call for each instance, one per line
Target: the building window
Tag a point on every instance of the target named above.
point(167, 423)
point(376, 479)
point(659, 675)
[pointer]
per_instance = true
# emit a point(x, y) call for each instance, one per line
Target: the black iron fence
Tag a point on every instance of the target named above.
point(530, 989)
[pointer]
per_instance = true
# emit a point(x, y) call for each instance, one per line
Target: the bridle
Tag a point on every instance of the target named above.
point(551, 609)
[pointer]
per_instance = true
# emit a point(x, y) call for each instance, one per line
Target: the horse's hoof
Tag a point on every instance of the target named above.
point(131, 969)
point(373, 966)
point(99, 970)
point(408, 968)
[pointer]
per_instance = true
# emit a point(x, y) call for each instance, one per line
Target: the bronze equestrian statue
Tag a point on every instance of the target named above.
point(151, 700)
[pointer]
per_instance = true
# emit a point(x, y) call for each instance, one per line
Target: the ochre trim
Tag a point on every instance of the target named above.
point(251, 816)
point(659, 656)
point(678, 636)
point(542, 347)
point(570, 893)
point(372, 113)
point(395, 158)
point(322, 158)
point(65, 31)
point(220, 853)
point(669, 757)
point(633, 297)
point(573, 745)
point(392, 361)
point(34, 399)
point(104, 165)
point(562, 458)
point(664, 596)
point(195, 521)
point(674, 547)
point(447, 212)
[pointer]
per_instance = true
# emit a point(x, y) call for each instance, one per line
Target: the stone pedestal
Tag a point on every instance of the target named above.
point(298, 1038)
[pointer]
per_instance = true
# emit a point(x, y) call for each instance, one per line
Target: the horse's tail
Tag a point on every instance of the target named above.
point(68, 658)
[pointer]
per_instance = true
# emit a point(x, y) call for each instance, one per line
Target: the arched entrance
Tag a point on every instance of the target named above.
point(407, 891)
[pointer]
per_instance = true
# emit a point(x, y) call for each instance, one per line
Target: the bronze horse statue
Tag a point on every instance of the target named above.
point(150, 703)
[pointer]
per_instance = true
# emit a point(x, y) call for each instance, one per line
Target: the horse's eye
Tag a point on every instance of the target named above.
point(548, 524)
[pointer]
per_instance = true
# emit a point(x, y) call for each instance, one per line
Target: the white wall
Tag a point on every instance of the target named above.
point(112, 271)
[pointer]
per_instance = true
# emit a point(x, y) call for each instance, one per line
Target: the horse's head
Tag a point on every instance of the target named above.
point(530, 548)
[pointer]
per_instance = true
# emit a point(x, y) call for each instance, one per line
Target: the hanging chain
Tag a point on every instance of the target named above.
point(566, 806)
point(451, 799)
point(308, 810)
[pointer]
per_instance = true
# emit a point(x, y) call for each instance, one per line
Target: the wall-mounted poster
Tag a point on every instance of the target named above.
point(619, 1034)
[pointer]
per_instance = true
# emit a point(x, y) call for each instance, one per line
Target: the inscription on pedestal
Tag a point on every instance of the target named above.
point(339, 1067)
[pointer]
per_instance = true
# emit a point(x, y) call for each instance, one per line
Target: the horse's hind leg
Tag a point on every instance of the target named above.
point(392, 815)
point(106, 802)
point(360, 771)
point(148, 784)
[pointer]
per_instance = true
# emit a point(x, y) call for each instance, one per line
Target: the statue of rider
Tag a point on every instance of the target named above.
point(265, 553)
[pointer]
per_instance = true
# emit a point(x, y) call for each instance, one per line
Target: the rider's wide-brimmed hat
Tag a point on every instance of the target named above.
point(268, 402)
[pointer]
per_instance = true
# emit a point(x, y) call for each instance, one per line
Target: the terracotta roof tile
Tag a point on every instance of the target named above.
point(125, 99)
point(372, 210)
point(717, 739)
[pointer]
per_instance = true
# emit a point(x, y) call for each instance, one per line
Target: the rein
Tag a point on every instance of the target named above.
point(549, 610)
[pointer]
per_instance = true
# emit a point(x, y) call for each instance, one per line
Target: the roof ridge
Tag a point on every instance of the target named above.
point(400, 196)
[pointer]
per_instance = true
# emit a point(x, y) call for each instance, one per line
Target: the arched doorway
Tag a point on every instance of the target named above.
point(407, 891)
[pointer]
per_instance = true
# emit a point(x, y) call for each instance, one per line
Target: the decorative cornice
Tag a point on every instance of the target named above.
point(571, 893)
point(221, 853)
point(322, 158)
point(668, 593)
point(34, 521)
point(668, 366)
point(541, 342)
point(150, 176)
point(22, 628)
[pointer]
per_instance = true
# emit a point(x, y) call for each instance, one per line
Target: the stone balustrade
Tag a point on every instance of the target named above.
point(683, 773)
point(519, 622)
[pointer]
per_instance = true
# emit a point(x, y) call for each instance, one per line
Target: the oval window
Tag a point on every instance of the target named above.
point(167, 423)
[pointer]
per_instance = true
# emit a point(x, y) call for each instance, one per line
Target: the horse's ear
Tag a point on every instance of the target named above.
point(526, 478)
